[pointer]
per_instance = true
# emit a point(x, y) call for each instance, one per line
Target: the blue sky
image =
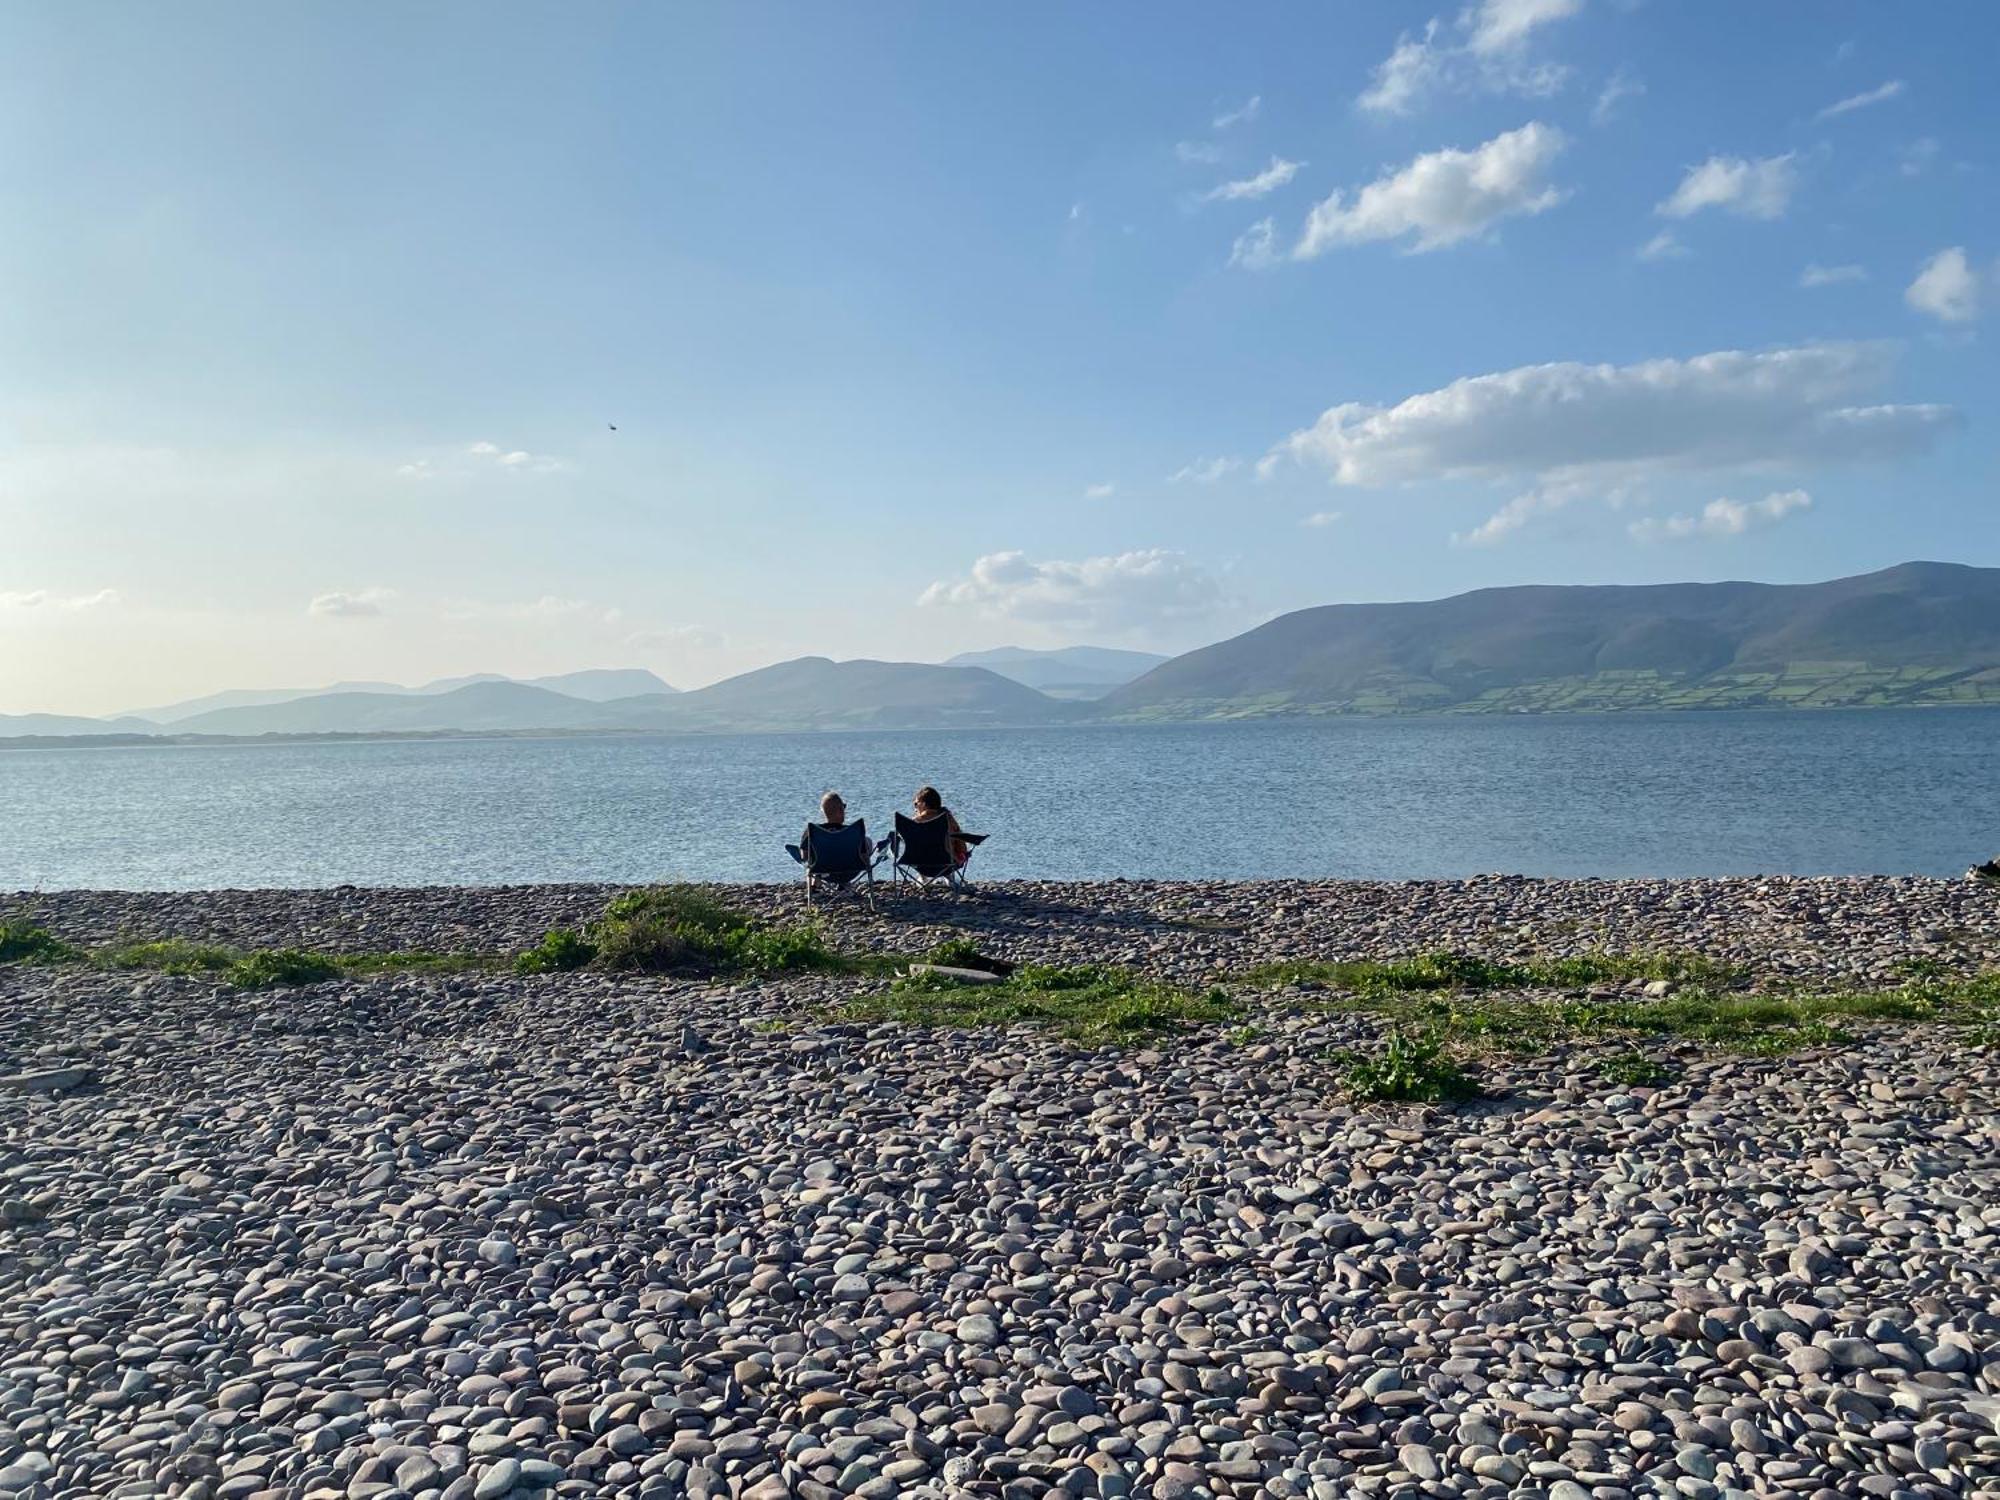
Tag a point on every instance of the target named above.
point(932, 328)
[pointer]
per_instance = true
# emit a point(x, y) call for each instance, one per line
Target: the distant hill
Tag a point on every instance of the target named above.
point(815, 693)
point(481, 705)
point(40, 724)
point(173, 713)
point(1922, 633)
point(602, 684)
point(810, 693)
point(595, 686)
point(1066, 672)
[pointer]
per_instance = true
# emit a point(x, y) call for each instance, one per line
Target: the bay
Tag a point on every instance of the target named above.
point(1885, 791)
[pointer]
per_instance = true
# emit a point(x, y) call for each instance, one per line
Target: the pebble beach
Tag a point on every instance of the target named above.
point(483, 1236)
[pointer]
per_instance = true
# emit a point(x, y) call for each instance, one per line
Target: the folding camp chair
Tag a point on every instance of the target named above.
point(923, 853)
point(837, 861)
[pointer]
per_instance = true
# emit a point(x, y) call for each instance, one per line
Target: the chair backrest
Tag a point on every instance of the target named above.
point(926, 845)
point(836, 851)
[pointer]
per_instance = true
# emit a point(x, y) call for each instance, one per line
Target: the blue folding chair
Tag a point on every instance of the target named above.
point(838, 861)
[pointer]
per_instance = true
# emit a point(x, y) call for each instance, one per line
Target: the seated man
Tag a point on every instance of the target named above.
point(833, 815)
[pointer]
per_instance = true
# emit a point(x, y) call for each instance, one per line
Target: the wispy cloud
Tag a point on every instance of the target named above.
point(1918, 157)
point(1128, 592)
point(342, 605)
point(1890, 90)
point(1241, 115)
point(518, 459)
point(1816, 274)
point(1749, 189)
point(43, 599)
point(1264, 183)
point(1665, 245)
point(1401, 80)
point(1256, 248)
point(1204, 471)
point(1490, 56)
point(1198, 153)
point(1617, 89)
point(1320, 518)
point(1722, 518)
point(1502, 25)
point(1100, 491)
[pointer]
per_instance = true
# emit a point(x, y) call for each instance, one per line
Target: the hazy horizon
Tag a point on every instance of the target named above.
point(1128, 326)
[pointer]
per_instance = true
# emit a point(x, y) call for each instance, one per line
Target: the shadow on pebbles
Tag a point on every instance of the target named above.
point(480, 1236)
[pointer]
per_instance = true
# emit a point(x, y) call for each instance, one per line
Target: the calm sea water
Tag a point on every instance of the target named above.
point(1664, 794)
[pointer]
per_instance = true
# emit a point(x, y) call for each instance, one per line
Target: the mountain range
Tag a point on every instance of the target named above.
point(1921, 633)
point(1918, 634)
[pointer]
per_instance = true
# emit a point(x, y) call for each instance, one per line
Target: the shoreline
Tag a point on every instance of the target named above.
point(166, 738)
point(445, 1235)
point(1844, 927)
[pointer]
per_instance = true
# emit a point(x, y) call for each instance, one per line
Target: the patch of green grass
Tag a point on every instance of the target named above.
point(168, 956)
point(1244, 1036)
point(664, 928)
point(560, 950)
point(1465, 971)
point(1090, 1003)
point(1411, 1067)
point(1924, 967)
point(22, 942)
point(268, 968)
point(1633, 1070)
point(1749, 1023)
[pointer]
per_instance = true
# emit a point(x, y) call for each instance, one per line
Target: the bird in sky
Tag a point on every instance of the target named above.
point(612, 425)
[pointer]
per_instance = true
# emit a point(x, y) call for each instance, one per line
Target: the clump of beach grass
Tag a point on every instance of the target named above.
point(1739, 1021)
point(665, 929)
point(22, 941)
point(1445, 970)
point(1410, 1067)
point(560, 950)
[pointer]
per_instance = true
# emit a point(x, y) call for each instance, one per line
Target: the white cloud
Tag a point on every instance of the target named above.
point(1722, 517)
point(1264, 183)
point(1502, 25)
point(1131, 591)
point(1816, 274)
point(1918, 156)
point(1204, 470)
point(1617, 89)
point(1947, 287)
point(43, 599)
point(1412, 69)
point(1889, 90)
point(339, 605)
point(1198, 153)
point(1750, 189)
point(518, 459)
point(1256, 248)
point(1570, 431)
point(1100, 491)
point(1493, 57)
point(1442, 197)
point(1663, 246)
point(1320, 518)
point(1241, 115)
